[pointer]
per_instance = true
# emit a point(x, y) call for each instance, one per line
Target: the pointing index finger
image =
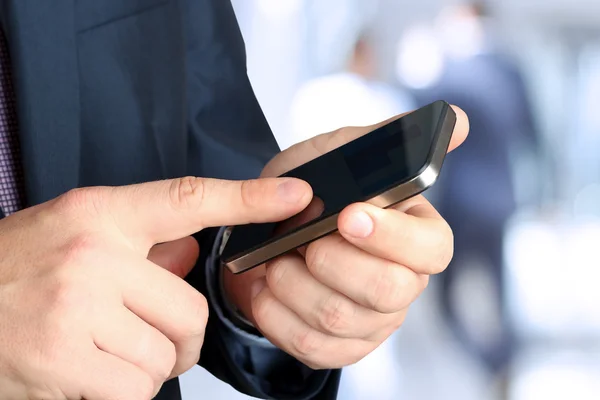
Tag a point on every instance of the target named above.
point(165, 211)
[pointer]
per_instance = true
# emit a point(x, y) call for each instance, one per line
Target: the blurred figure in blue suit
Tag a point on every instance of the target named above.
point(476, 189)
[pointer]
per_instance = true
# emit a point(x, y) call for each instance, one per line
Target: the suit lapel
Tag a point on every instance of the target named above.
point(42, 42)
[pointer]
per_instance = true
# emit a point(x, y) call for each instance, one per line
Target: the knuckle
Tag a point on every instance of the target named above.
point(276, 272)
point(251, 193)
point(386, 292)
point(73, 199)
point(444, 250)
point(79, 249)
point(330, 141)
point(187, 362)
point(336, 316)
point(359, 352)
point(321, 142)
point(317, 365)
point(168, 357)
point(336, 138)
point(41, 393)
point(261, 309)
point(157, 353)
point(79, 200)
point(198, 318)
point(306, 343)
point(187, 193)
point(316, 258)
point(399, 321)
point(143, 387)
point(66, 296)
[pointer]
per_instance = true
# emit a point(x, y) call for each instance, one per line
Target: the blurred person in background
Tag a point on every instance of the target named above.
point(354, 96)
point(476, 190)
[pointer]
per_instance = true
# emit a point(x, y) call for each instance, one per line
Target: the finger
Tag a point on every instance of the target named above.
point(166, 302)
point(461, 130)
point(238, 286)
point(370, 281)
point(313, 211)
point(418, 239)
point(106, 377)
point(287, 331)
point(415, 201)
point(304, 152)
point(124, 335)
point(319, 306)
point(177, 257)
point(164, 211)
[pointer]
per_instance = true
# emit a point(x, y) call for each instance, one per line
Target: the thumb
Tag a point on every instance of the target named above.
point(178, 257)
point(165, 211)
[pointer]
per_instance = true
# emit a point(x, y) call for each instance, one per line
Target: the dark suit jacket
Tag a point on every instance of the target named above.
point(115, 92)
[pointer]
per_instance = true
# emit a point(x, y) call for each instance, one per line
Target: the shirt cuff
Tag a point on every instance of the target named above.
point(227, 313)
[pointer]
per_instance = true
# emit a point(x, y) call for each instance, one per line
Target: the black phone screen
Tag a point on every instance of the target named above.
point(352, 173)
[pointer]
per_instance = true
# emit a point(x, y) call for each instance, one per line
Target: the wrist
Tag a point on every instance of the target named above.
point(237, 291)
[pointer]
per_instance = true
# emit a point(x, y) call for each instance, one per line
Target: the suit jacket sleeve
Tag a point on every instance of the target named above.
point(229, 138)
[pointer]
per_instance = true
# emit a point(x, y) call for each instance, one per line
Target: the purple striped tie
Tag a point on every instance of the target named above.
point(11, 175)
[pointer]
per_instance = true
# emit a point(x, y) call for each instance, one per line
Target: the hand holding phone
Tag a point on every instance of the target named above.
point(344, 294)
point(391, 164)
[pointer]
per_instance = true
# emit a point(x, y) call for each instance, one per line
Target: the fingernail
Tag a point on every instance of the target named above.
point(360, 225)
point(291, 191)
point(257, 287)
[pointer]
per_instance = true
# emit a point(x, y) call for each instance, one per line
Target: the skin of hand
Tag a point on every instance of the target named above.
point(335, 301)
point(92, 304)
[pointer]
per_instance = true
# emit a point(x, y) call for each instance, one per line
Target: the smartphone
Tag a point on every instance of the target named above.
point(384, 167)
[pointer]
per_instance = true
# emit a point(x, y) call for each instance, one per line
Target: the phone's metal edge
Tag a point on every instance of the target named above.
point(424, 180)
